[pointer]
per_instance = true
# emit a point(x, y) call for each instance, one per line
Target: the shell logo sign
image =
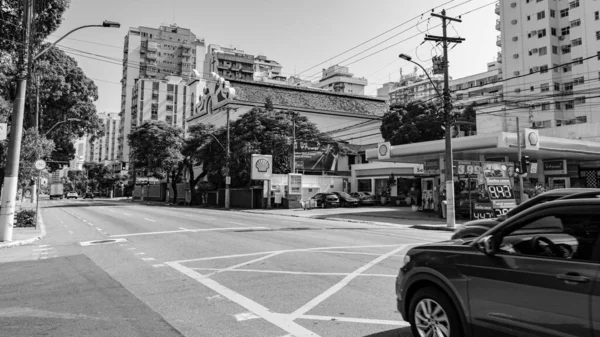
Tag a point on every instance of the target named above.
point(262, 167)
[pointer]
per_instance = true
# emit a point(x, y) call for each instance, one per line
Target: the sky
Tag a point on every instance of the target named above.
point(304, 36)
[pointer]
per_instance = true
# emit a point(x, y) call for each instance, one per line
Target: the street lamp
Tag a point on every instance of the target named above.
point(7, 204)
point(66, 120)
point(449, 174)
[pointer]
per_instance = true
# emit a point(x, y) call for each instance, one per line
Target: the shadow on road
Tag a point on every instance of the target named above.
point(402, 332)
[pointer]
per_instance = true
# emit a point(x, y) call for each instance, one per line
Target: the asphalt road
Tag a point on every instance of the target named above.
point(207, 272)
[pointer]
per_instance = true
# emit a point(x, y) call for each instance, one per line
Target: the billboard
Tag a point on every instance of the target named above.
point(316, 156)
point(262, 167)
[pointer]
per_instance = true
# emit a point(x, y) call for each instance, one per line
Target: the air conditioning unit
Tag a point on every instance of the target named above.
point(534, 32)
point(534, 50)
point(535, 68)
point(515, 38)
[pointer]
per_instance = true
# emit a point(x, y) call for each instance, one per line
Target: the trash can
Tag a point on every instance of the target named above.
point(444, 208)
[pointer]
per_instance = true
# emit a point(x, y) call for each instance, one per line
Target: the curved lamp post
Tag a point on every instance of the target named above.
point(9, 195)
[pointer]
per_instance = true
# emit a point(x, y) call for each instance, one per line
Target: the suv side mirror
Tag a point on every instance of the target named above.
point(487, 245)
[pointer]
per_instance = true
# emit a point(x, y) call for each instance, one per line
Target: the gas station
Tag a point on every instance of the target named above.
point(484, 168)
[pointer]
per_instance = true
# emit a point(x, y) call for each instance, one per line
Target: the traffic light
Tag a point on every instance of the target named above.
point(123, 165)
point(525, 163)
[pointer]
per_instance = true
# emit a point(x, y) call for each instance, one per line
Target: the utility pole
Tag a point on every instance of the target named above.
point(293, 142)
point(7, 208)
point(227, 177)
point(449, 174)
point(519, 161)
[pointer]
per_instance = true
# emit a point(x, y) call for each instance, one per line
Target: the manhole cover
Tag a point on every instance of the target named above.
point(101, 242)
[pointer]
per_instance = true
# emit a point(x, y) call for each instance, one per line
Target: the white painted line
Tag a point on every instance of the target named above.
point(148, 259)
point(149, 219)
point(42, 246)
point(71, 232)
point(329, 292)
point(84, 220)
point(245, 316)
point(140, 253)
point(278, 320)
point(355, 320)
point(159, 265)
point(281, 251)
point(184, 229)
point(126, 213)
point(215, 297)
point(99, 229)
point(343, 252)
point(110, 210)
point(189, 230)
point(290, 272)
point(132, 248)
point(42, 249)
point(241, 264)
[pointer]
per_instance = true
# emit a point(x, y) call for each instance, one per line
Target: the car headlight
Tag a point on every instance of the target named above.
point(405, 261)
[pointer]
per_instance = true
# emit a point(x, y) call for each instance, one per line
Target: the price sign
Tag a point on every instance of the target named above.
point(500, 192)
point(483, 211)
point(502, 196)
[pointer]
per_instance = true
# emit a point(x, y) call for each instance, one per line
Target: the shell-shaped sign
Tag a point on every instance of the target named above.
point(262, 167)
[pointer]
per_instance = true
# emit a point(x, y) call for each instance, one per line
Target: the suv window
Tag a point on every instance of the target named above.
point(567, 236)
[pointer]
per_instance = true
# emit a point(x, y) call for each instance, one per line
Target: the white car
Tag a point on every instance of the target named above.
point(72, 195)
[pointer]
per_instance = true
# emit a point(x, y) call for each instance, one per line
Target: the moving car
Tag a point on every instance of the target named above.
point(72, 195)
point(346, 200)
point(88, 195)
point(475, 228)
point(365, 198)
point(326, 200)
point(515, 280)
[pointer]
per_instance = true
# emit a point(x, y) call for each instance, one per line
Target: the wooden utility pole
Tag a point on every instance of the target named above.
point(449, 174)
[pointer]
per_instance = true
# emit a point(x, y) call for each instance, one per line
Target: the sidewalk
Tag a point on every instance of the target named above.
point(27, 235)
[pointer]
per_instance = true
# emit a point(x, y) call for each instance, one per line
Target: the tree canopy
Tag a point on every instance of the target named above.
point(156, 147)
point(413, 122)
point(33, 147)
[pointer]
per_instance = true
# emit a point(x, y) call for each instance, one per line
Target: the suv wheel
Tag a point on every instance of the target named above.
point(431, 313)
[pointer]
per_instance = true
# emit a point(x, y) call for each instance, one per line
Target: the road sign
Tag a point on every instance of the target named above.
point(228, 180)
point(40, 164)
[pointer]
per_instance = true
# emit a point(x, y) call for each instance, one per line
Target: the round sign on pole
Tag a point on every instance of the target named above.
point(40, 164)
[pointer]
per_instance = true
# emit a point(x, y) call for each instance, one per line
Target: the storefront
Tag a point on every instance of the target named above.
point(555, 163)
point(393, 181)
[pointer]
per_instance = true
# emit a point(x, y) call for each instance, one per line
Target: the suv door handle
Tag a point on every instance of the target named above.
point(573, 278)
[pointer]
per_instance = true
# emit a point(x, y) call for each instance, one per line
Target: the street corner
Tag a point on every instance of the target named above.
point(287, 289)
point(22, 236)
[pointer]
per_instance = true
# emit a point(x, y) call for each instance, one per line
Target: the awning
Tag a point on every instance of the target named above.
point(490, 145)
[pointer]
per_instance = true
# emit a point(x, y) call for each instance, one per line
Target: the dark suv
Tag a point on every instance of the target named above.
point(475, 228)
point(326, 200)
point(535, 274)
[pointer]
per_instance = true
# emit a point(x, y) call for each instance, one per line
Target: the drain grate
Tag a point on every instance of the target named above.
point(102, 242)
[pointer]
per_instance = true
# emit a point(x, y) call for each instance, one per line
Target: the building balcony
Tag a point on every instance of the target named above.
point(237, 67)
point(152, 46)
point(186, 52)
point(152, 71)
point(248, 70)
point(151, 63)
point(499, 57)
point(151, 55)
point(499, 41)
point(186, 45)
point(497, 9)
point(498, 25)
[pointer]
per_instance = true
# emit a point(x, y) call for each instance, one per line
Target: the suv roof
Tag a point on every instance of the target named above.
point(569, 191)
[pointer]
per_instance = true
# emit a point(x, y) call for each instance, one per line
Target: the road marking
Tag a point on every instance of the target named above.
point(126, 213)
point(215, 297)
point(342, 252)
point(290, 272)
point(337, 287)
point(140, 253)
point(355, 320)
point(149, 219)
point(276, 319)
point(110, 210)
point(159, 265)
point(98, 229)
point(42, 246)
point(245, 316)
point(241, 264)
point(71, 232)
point(185, 231)
point(148, 259)
point(42, 249)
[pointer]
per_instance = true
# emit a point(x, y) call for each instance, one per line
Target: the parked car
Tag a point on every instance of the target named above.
point(512, 281)
point(346, 200)
point(475, 228)
point(326, 200)
point(365, 198)
point(72, 195)
point(88, 195)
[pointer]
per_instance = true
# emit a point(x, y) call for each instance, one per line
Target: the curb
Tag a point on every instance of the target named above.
point(27, 241)
point(434, 228)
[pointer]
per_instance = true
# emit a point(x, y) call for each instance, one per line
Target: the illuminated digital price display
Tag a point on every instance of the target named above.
point(500, 192)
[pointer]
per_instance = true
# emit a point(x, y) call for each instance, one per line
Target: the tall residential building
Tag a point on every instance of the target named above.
point(339, 79)
point(161, 55)
point(80, 153)
point(550, 67)
point(104, 149)
point(229, 63)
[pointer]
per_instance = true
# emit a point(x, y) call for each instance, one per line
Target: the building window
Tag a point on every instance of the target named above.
point(543, 69)
point(154, 86)
point(567, 68)
point(552, 13)
point(554, 49)
point(544, 87)
point(557, 86)
point(565, 31)
point(580, 100)
point(541, 33)
point(574, 4)
point(170, 87)
point(545, 106)
point(581, 119)
point(566, 49)
point(155, 96)
point(553, 31)
point(169, 108)
point(598, 38)
point(578, 60)
point(569, 86)
point(597, 15)
point(575, 23)
point(169, 98)
point(576, 42)
point(557, 105)
point(578, 80)
point(569, 105)
point(169, 120)
point(541, 15)
point(564, 12)
point(364, 185)
point(543, 51)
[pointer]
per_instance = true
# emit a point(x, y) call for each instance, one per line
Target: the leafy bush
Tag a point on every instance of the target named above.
point(25, 218)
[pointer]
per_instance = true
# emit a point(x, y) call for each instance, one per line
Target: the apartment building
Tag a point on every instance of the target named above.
point(154, 55)
point(339, 79)
point(105, 149)
point(229, 63)
point(551, 65)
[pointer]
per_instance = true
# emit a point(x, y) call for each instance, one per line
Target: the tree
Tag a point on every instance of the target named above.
point(199, 137)
point(467, 119)
point(258, 131)
point(33, 147)
point(413, 122)
point(156, 147)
